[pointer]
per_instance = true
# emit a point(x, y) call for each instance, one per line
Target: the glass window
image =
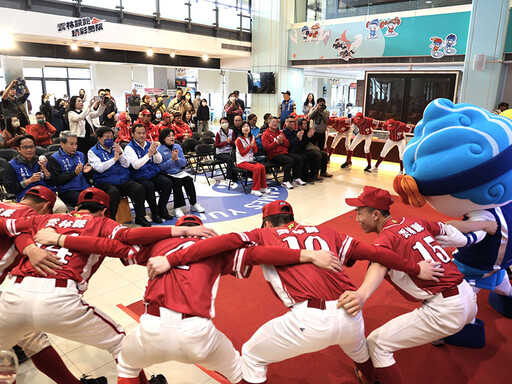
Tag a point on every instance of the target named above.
point(228, 14)
point(203, 12)
point(32, 72)
point(108, 4)
point(36, 91)
point(146, 7)
point(55, 72)
point(58, 88)
point(423, 91)
point(79, 73)
point(174, 10)
point(76, 85)
point(384, 97)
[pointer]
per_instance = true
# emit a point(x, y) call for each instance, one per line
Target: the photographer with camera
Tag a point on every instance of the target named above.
point(109, 114)
point(14, 99)
point(319, 116)
point(175, 104)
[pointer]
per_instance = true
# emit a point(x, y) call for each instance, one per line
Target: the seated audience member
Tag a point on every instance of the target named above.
point(264, 126)
point(276, 145)
point(124, 132)
point(159, 106)
point(187, 119)
point(252, 119)
point(145, 120)
point(224, 146)
point(245, 149)
point(158, 118)
point(26, 170)
point(203, 116)
point(43, 131)
point(166, 122)
point(111, 174)
point(237, 125)
point(144, 159)
point(295, 149)
point(317, 159)
point(59, 116)
point(181, 129)
point(69, 168)
point(173, 162)
point(80, 121)
point(12, 132)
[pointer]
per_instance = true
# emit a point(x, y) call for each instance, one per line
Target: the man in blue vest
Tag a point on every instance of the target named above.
point(112, 174)
point(69, 168)
point(144, 159)
point(286, 108)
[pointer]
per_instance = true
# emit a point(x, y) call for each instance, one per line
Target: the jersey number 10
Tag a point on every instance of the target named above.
point(434, 249)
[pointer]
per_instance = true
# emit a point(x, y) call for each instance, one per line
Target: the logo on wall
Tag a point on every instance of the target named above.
point(315, 34)
point(391, 26)
point(80, 27)
point(346, 48)
point(440, 47)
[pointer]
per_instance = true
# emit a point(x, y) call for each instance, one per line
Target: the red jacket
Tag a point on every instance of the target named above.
point(125, 133)
point(271, 146)
point(42, 134)
point(180, 129)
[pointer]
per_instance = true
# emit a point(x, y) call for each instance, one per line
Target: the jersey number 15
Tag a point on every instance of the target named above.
point(431, 250)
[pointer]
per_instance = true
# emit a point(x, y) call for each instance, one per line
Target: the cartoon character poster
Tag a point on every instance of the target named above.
point(346, 48)
point(449, 43)
point(391, 26)
point(315, 34)
point(436, 47)
point(373, 30)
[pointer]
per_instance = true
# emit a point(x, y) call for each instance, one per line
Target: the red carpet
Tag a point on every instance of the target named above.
point(242, 306)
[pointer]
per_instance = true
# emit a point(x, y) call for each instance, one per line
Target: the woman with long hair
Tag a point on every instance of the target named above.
point(80, 122)
point(187, 119)
point(12, 131)
point(309, 103)
point(245, 149)
point(187, 104)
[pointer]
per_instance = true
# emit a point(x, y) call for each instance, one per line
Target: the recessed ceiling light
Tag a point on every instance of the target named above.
point(74, 47)
point(205, 57)
point(173, 55)
point(97, 48)
point(149, 52)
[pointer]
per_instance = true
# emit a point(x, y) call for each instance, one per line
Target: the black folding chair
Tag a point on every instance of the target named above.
point(40, 150)
point(53, 148)
point(208, 134)
point(4, 195)
point(206, 162)
point(206, 140)
point(8, 153)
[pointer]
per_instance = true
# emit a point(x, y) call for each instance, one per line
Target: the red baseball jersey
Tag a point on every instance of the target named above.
point(366, 126)
point(397, 130)
point(9, 255)
point(415, 239)
point(340, 124)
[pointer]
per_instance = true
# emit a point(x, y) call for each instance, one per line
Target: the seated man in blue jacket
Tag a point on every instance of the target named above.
point(70, 170)
point(111, 174)
point(26, 170)
point(144, 159)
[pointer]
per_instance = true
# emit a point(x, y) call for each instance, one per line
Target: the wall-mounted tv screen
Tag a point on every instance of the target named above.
point(263, 82)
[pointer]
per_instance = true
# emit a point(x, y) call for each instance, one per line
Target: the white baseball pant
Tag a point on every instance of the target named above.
point(367, 142)
point(389, 144)
point(37, 304)
point(436, 318)
point(303, 330)
point(340, 136)
point(193, 340)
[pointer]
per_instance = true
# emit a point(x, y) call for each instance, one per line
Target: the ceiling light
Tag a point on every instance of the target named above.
point(149, 52)
point(173, 55)
point(97, 48)
point(6, 40)
point(205, 57)
point(74, 47)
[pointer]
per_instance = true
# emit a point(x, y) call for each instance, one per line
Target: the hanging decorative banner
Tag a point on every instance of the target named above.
point(82, 26)
point(440, 47)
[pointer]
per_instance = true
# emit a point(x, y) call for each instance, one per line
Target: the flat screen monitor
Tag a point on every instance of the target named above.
point(263, 82)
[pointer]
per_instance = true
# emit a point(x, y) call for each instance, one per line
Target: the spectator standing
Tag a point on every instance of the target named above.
point(46, 107)
point(246, 148)
point(203, 116)
point(80, 123)
point(186, 104)
point(13, 130)
point(109, 113)
point(239, 100)
point(159, 106)
point(319, 117)
point(124, 132)
point(276, 145)
point(134, 105)
point(232, 109)
point(59, 116)
point(111, 174)
point(83, 95)
point(287, 107)
point(181, 129)
point(69, 168)
point(187, 119)
point(146, 105)
point(144, 159)
point(174, 105)
point(224, 147)
point(13, 105)
point(309, 103)
point(196, 103)
point(43, 131)
point(173, 162)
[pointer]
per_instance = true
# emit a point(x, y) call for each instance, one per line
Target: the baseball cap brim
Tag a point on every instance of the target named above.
point(355, 202)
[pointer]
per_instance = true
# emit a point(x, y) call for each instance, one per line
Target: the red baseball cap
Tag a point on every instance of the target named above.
point(96, 196)
point(391, 124)
point(44, 193)
point(188, 219)
point(277, 207)
point(359, 116)
point(166, 114)
point(146, 112)
point(372, 197)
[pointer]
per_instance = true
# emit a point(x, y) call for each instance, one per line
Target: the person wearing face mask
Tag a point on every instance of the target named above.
point(224, 146)
point(232, 109)
point(43, 131)
point(186, 104)
point(14, 105)
point(109, 113)
point(70, 170)
point(12, 131)
point(124, 134)
point(60, 116)
point(111, 174)
point(203, 116)
point(158, 117)
point(79, 117)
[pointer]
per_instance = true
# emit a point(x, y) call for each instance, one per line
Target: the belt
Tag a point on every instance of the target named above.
point(450, 292)
point(316, 303)
point(154, 310)
point(58, 283)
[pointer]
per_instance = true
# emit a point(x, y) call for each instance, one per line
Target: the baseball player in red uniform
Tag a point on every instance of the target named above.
point(178, 323)
point(309, 292)
point(36, 345)
point(54, 304)
point(446, 305)
point(343, 128)
point(366, 126)
point(396, 131)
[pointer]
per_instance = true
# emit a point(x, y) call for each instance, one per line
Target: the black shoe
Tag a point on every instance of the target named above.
point(156, 219)
point(98, 380)
point(158, 379)
point(20, 354)
point(142, 222)
point(368, 169)
point(166, 215)
point(346, 165)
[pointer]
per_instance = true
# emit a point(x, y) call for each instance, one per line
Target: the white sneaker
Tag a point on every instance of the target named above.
point(287, 185)
point(197, 208)
point(178, 212)
point(299, 182)
point(375, 169)
point(265, 190)
point(256, 193)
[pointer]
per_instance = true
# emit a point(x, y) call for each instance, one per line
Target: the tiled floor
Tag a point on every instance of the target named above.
point(114, 284)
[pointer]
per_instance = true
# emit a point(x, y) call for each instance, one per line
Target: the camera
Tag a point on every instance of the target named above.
point(20, 86)
point(322, 106)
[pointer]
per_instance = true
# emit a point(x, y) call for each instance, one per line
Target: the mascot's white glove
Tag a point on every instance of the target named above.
point(452, 237)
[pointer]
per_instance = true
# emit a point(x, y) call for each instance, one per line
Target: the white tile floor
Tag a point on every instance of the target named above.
point(114, 284)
